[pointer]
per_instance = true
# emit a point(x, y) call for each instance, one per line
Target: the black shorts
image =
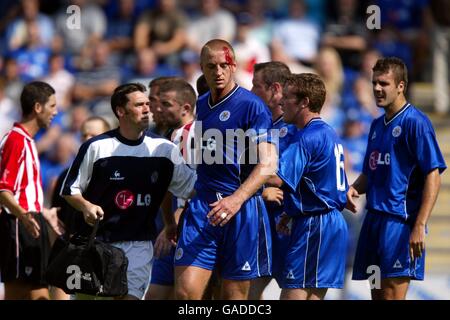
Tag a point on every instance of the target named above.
point(21, 256)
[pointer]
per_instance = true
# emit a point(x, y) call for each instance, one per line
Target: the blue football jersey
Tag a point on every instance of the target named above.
point(400, 153)
point(312, 168)
point(228, 156)
point(282, 133)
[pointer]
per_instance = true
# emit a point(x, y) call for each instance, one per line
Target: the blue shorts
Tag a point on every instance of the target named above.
point(240, 250)
point(280, 242)
point(317, 252)
point(384, 242)
point(162, 270)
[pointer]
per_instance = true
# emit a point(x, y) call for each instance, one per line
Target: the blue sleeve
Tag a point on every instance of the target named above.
point(365, 169)
point(260, 121)
point(292, 165)
point(428, 154)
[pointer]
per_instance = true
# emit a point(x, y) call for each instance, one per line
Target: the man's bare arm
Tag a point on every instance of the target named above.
point(358, 187)
point(223, 210)
point(430, 193)
point(91, 212)
point(7, 200)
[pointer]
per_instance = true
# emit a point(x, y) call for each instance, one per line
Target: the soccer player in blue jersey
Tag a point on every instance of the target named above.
point(226, 225)
point(268, 81)
point(401, 177)
point(122, 177)
point(312, 173)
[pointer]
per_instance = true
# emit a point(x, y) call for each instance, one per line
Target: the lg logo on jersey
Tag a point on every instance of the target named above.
point(377, 158)
point(125, 199)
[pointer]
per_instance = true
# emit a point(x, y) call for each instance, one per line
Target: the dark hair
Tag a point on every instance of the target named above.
point(202, 85)
point(184, 91)
point(272, 71)
point(35, 92)
point(308, 85)
point(397, 66)
point(119, 97)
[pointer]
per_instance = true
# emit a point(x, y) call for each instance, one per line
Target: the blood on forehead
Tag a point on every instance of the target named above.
point(228, 56)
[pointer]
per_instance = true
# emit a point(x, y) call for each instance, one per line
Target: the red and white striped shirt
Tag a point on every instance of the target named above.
point(20, 169)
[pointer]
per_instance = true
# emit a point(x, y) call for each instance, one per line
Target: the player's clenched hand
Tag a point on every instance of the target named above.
point(171, 234)
point(91, 213)
point(272, 194)
point(351, 193)
point(284, 224)
point(163, 243)
point(223, 210)
point(417, 241)
point(30, 224)
point(51, 216)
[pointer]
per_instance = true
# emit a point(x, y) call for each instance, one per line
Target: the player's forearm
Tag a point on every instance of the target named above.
point(177, 215)
point(430, 193)
point(261, 173)
point(78, 202)
point(360, 184)
point(166, 207)
point(7, 200)
point(253, 183)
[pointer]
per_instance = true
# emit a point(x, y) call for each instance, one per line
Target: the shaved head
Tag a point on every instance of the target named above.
point(218, 66)
point(218, 45)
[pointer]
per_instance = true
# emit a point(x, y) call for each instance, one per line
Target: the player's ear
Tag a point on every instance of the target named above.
point(233, 67)
point(120, 111)
point(277, 91)
point(401, 86)
point(187, 108)
point(304, 102)
point(277, 88)
point(37, 108)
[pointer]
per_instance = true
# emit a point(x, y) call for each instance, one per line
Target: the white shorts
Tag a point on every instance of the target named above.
point(140, 259)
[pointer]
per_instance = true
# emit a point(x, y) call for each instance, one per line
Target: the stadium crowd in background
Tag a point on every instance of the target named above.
point(138, 40)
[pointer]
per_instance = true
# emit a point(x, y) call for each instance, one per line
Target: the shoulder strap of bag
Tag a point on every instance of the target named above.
point(93, 233)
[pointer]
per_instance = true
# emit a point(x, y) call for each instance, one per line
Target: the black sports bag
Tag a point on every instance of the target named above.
point(89, 266)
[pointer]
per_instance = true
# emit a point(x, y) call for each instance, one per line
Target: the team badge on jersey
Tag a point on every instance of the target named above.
point(224, 115)
point(28, 270)
point(154, 177)
point(374, 135)
point(283, 132)
point(396, 131)
point(179, 254)
point(124, 199)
